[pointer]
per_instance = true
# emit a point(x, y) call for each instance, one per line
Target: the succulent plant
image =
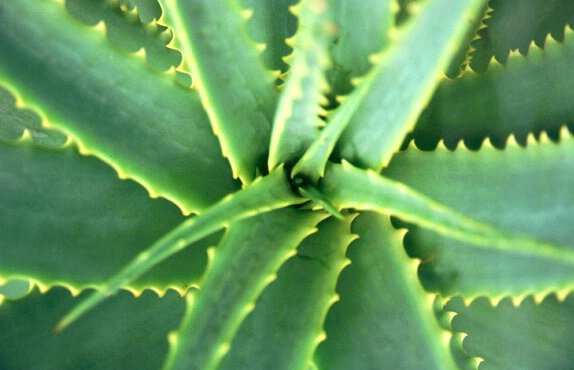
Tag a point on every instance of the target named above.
point(252, 184)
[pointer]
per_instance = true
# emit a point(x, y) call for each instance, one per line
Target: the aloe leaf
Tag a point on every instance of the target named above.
point(263, 195)
point(124, 29)
point(524, 96)
point(242, 266)
point(356, 39)
point(117, 119)
point(412, 67)
point(89, 226)
point(148, 10)
point(512, 191)
point(532, 335)
point(238, 93)
point(14, 121)
point(271, 24)
point(29, 341)
point(380, 129)
point(382, 307)
point(287, 323)
point(349, 187)
point(515, 25)
point(297, 121)
point(15, 289)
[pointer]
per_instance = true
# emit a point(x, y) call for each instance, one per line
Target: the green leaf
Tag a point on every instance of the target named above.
point(412, 67)
point(382, 307)
point(356, 39)
point(524, 96)
point(287, 323)
point(535, 335)
point(297, 120)
point(512, 191)
point(148, 10)
point(238, 93)
point(29, 341)
point(124, 29)
point(14, 122)
point(350, 187)
point(242, 266)
point(62, 69)
point(271, 24)
point(516, 24)
point(263, 195)
point(89, 226)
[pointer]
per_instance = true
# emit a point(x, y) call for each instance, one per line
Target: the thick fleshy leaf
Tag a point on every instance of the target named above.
point(125, 30)
point(412, 67)
point(297, 121)
point(287, 323)
point(349, 187)
point(238, 93)
point(13, 122)
point(378, 116)
point(271, 24)
point(90, 225)
point(512, 191)
point(356, 39)
point(242, 266)
point(263, 195)
point(515, 24)
point(148, 10)
point(111, 103)
point(385, 319)
point(103, 340)
point(526, 95)
point(531, 336)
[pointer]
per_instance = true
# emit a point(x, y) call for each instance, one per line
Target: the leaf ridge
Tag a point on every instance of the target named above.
point(237, 92)
point(264, 195)
point(296, 124)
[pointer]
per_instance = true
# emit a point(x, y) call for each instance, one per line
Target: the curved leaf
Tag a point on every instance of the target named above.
point(242, 266)
point(62, 70)
point(29, 341)
point(238, 94)
point(512, 191)
point(287, 323)
point(263, 195)
point(515, 25)
point(531, 336)
point(89, 226)
point(382, 308)
point(348, 187)
point(406, 75)
point(526, 95)
point(297, 121)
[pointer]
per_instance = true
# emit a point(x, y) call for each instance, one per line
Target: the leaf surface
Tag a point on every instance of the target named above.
point(356, 39)
point(515, 25)
point(238, 93)
point(382, 307)
point(287, 323)
point(271, 24)
point(526, 95)
point(29, 341)
point(139, 121)
point(531, 336)
point(403, 80)
point(512, 191)
point(263, 195)
point(89, 226)
point(242, 266)
point(297, 120)
point(349, 187)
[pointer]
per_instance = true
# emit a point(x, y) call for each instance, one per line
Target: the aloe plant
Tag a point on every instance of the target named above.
point(248, 184)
